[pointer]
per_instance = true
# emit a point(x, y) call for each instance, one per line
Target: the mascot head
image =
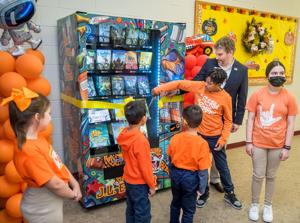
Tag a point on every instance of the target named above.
point(14, 13)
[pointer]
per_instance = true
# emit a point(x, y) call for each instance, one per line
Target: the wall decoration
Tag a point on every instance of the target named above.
point(257, 39)
point(274, 37)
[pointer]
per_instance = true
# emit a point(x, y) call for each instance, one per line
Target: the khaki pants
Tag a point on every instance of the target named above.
point(214, 173)
point(39, 205)
point(265, 164)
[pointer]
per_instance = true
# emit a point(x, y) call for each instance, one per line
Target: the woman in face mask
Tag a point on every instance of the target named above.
point(270, 127)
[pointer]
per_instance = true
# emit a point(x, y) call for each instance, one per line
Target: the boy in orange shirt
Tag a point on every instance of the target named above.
point(216, 125)
point(138, 173)
point(189, 163)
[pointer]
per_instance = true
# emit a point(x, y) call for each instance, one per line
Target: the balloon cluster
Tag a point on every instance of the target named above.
point(24, 71)
point(193, 66)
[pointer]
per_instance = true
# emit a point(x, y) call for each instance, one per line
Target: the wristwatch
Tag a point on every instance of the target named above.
point(287, 147)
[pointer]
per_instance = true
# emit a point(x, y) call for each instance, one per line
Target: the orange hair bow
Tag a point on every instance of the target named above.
point(22, 98)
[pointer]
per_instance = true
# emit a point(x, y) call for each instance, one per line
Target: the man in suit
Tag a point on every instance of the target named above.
point(236, 85)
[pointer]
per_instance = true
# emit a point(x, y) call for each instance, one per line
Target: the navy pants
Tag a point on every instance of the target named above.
point(138, 205)
point(184, 185)
point(221, 164)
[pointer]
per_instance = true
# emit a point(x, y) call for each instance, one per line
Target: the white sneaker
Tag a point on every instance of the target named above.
point(268, 213)
point(254, 212)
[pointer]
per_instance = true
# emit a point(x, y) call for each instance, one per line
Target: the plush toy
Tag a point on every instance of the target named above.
point(15, 20)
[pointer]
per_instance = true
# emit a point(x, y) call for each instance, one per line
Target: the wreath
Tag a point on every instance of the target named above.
point(256, 39)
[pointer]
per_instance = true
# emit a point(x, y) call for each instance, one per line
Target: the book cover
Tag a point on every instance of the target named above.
point(98, 115)
point(131, 60)
point(144, 37)
point(130, 85)
point(118, 59)
point(118, 86)
point(117, 127)
point(117, 113)
point(103, 85)
point(175, 110)
point(145, 61)
point(143, 85)
point(91, 87)
point(103, 59)
point(117, 35)
point(91, 35)
point(164, 113)
point(90, 60)
point(104, 33)
point(98, 135)
point(132, 36)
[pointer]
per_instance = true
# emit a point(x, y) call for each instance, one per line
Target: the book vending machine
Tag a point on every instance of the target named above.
point(106, 61)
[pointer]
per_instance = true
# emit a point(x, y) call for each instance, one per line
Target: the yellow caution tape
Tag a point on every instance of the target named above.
point(109, 105)
point(177, 98)
point(90, 104)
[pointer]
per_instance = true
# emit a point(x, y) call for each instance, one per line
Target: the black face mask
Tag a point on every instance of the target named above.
point(277, 81)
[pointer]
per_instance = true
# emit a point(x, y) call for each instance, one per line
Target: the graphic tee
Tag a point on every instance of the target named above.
point(216, 107)
point(271, 113)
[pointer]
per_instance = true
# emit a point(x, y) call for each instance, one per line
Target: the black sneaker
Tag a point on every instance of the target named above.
point(231, 199)
point(201, 202)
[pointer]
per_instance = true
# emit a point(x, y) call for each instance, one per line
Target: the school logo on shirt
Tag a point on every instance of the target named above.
point(266, 118)
point(207, 105)
point(55, 158)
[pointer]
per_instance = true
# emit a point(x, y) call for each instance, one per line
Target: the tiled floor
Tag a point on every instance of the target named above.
point(286, 201)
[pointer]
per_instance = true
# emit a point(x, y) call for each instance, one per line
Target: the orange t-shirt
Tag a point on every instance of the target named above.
point(216, 107)
point(271, 113)
point(37, 163)
point(189, 152)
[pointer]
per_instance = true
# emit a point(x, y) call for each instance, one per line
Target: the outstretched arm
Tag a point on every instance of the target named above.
point(190, 86)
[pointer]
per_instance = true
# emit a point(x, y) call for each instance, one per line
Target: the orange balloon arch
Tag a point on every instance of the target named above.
point(26, 70)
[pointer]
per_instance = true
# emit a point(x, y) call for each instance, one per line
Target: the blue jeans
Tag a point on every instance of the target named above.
point(221, 164)
point(184, 185)
point(138, 205)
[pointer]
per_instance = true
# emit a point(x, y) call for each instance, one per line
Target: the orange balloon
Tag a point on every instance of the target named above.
point(46, 133)
point(6, 151)
point(12, 174)
point(5, 218)
point(23, 186)
point(7, 62)
point(8, 131)
point(7, 188)
point(40, 85)
point(29, 66)
point(13, 206)
point(11, 80)
point(38, 54)
point(4, 114)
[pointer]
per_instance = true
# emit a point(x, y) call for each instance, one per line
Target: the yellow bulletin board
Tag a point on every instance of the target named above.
point(233, 21)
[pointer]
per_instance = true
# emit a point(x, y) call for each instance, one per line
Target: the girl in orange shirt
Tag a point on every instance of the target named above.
point(271, 116)
point(49, 181)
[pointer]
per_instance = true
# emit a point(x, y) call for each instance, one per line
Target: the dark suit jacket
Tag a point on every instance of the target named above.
point(236, 85)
